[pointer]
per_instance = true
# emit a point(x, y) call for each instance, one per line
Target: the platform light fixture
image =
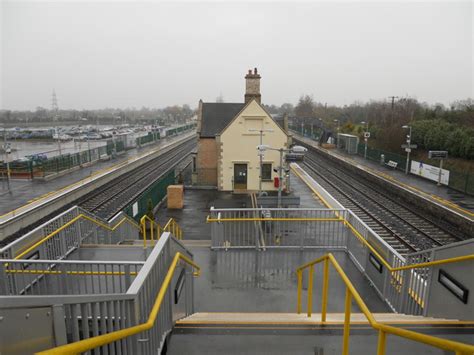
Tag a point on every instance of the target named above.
point(295, 149)
point(366, 137)
point(408, 150)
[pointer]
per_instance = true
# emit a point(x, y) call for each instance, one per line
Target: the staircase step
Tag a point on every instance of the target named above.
point(229, 318)
point(205, 243)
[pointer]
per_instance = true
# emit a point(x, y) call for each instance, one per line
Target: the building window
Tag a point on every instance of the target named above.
point(266, 172)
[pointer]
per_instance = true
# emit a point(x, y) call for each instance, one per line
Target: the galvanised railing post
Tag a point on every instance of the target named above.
point(429, 279)
point(404, 291)
point(3, 280)
point(299, 275)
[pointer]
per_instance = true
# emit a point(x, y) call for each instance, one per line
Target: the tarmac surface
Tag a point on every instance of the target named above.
point(251, 280)
point(25, 191)
point(449, 198)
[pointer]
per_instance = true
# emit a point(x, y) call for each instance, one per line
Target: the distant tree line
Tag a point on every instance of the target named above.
point(434, 127)
point(167, 115)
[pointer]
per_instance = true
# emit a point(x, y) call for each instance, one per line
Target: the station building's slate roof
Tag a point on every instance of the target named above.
point(216, 116)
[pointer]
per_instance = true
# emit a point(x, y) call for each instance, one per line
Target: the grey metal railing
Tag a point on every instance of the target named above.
point(70, 231)
point(324, 229)
point(236, 228)
point(126, 302)
point(67, 277)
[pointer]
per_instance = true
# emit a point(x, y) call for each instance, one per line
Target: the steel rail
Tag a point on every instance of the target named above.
point(406, 222)
point(119, 193)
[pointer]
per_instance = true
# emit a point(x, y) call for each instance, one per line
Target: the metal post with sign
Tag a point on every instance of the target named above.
point(7, 149)
point(439, 155)
point(366, 138)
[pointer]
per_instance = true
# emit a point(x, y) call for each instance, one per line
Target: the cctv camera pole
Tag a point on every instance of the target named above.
point(261, 131)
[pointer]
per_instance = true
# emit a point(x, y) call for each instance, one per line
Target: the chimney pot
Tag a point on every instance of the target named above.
point(255, 71)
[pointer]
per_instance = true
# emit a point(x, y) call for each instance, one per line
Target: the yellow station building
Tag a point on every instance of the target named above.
point(229, 134)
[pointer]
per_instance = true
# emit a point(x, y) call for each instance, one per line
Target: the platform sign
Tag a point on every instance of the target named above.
point(408, 150)
point(429, 172)
point(409, 146)
point(438, 154)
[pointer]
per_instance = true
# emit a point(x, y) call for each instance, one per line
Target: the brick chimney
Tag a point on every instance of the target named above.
point(252, 86)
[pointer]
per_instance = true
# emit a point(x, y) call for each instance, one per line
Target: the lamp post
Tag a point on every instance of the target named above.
point(295, 149)
point(337, 130)
point(261, 131)
point(408, 149)
point(7, 150)
point(366, 137)
point(59, 140)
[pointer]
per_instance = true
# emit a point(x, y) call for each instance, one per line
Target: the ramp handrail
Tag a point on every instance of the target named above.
point(351, 292)
point(153, 225)
point(104, 339)
point(171, 226)
point(71, 222)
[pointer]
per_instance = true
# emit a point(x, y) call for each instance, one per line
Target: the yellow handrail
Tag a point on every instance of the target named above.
point(351, 292)
point(72, 221)
point(173, 227)
point(357, 234)
point(153, 224)
point(104, 339)
point(77, 273)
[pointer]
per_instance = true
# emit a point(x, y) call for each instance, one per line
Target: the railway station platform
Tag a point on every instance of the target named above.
point(26, 193)
point(453, 200)
point(228, 277)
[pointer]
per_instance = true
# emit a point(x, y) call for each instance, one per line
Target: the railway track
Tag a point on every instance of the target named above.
point(119, 193)
point(97, 199)
point(404, 228)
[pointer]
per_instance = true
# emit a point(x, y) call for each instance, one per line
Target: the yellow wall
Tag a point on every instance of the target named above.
point(238, 145)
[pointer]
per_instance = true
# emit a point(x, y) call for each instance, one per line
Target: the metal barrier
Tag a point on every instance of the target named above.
point(61, 235)
point(324, 229)
point(67, 277)
point(127, 320)
point(351, 292)
point(301, 228)
point(146, 223)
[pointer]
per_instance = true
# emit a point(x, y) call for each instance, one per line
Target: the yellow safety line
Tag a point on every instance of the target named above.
point(311, 187)
point(273, 219)
point(391, 178)
point(125, 162)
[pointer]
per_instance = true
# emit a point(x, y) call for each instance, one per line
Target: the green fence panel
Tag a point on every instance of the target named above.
point(155, 193)
point(376, 156)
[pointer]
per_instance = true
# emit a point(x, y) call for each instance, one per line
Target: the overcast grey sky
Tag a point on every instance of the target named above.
point(124, 54)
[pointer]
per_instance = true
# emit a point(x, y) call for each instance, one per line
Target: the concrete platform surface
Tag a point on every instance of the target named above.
point(265, 281)
point(32, 191)
point(443, 195)
point(198, 202)
point(281, 344)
